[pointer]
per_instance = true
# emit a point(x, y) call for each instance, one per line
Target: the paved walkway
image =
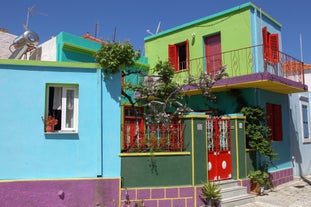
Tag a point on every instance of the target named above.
point(296, 193)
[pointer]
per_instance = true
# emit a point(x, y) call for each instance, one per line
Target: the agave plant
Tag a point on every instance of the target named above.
point(211, 192)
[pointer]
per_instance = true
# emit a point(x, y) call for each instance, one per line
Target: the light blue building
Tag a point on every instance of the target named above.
point(80, 159)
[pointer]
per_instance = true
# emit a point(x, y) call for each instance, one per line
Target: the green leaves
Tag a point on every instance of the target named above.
point(114, 57)
point(257, 131)
point(211, 190)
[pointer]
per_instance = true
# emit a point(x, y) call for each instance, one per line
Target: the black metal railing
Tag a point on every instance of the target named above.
point(245, 61)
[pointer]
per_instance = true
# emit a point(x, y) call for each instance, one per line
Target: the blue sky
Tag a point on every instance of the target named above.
point(132, 18)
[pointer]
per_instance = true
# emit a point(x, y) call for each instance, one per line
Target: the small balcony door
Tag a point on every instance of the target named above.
point(212, 46)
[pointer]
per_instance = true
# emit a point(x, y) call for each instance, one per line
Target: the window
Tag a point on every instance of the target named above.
point(274, 121)
point(62, 103)
point(305, 119)
point(178, 55)
point(270, 46)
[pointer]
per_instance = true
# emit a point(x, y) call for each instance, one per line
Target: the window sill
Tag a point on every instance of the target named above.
point(143, 154)
point(61, 132)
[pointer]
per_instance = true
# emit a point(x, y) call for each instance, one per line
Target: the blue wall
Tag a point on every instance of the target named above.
point(281, 147)
point(300, 148)
point(27, 152)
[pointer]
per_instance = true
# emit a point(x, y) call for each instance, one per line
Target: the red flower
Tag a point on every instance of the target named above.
point(50, 120)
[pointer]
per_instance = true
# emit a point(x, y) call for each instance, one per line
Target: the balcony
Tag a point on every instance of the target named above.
point(153, 137)
point(250, 67)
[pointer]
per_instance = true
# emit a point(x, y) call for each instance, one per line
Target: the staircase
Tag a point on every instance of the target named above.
point(233, 194)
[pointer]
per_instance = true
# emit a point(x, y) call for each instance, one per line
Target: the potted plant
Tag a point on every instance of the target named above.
point(259, 181)
point(211, 194)
point(49, 123)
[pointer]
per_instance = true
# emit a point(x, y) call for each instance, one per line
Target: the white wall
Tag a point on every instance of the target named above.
point(6, 40)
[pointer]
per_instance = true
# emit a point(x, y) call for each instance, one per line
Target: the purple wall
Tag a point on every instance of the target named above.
point(60, 193)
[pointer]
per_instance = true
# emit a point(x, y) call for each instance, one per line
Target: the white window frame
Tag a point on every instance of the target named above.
point(65, 88)
point(304, 101)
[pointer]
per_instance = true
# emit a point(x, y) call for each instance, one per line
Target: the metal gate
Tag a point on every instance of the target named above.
point(219, 149)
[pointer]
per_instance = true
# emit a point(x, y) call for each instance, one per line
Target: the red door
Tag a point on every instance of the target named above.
point(219, 149)
point(213, 53)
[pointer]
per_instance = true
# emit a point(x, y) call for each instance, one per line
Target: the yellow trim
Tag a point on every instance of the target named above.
point(191, 116)
point(143, 154)
point(267, 85)
point(237, 149)
point(237, 117)
point(192, 149)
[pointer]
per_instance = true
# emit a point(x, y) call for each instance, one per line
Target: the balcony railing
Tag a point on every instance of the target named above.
point(246, 61)
point(153, 137)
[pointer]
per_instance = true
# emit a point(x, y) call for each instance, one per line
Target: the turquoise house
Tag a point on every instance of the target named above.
point(78, 163)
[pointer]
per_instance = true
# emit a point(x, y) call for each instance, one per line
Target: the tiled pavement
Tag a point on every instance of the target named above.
point(296, 193)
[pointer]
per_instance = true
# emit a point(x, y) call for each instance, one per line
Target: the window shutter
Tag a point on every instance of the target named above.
point(269, 110)
point(265, 42)
point(187, 55)
point(274, 121)
point(277, 126)
point(274, 46)
point(172, 56)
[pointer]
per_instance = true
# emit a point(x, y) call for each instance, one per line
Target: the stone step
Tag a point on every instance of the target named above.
point(233, 191)
point(227, 183)
point(237, 200)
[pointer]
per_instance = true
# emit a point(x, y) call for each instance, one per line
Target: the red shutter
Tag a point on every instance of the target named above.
point(265, 42)
point(277, 126)
point(269, 110)
point(187, 55)
point(172, 56)
point(274, 46)
point(274, 121)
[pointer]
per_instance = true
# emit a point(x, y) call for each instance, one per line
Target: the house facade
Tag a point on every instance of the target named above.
point(300, 128)
point(78, 163)
point(248, 42)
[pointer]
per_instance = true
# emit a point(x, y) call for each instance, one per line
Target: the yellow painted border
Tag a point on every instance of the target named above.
point(144, 154)
point(192, 149)
point(237, 150)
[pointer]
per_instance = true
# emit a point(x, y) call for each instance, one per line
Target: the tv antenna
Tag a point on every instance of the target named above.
point(31, 11)
point(157, 30)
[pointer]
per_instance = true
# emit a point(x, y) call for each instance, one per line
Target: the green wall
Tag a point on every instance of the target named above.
point(156, 171)
point(233, 26)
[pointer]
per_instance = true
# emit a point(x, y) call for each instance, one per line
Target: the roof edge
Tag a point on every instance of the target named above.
point(218, 14)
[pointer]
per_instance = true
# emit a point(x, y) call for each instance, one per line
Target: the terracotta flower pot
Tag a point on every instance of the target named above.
point(49, 128)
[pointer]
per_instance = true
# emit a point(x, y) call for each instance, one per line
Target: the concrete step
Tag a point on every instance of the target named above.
point(227, 183)
point(233, 191)
point(237, 200)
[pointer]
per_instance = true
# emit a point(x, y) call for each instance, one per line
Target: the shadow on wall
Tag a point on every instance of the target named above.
point(113, 85)
point(295, 149)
